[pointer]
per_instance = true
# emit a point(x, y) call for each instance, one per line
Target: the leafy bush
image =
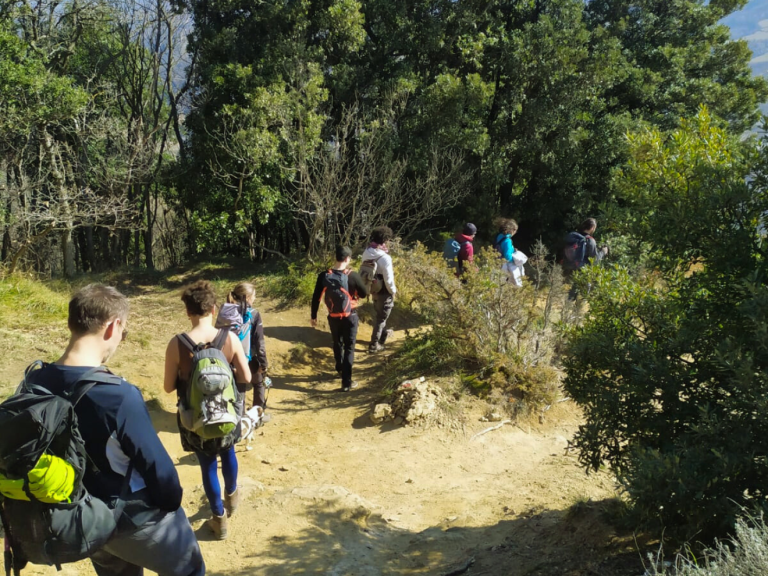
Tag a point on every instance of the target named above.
point(746, 555)
point(295, 285)
point(672, 370)
point(500, 335)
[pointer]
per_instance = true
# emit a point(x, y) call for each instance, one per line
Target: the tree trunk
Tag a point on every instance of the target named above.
point(251, 245)
point(105, 262)
point(149, 260)
point(90, 253)
point(6, 250)
point(68, 252)
point(137, 249)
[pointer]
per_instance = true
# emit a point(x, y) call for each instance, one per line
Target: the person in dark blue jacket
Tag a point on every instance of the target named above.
point(153, 531)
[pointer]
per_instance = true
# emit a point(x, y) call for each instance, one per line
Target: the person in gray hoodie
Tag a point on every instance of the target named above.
point(241, 318)
point(383, 300)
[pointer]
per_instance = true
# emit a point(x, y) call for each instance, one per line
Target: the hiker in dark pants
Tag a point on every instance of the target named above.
point(153, 532)
point(579, 250)
point(383, 287)
point(341, 289)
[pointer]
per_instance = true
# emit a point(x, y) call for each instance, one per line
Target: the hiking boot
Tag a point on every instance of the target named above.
point(352, 386)
point(231, 502)
point(218, 524)
point(373, 348)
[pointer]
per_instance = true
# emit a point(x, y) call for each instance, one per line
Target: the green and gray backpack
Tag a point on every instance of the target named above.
point(208, 406)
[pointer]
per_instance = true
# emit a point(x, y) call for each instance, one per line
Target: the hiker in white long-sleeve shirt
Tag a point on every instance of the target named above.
point(383, 287)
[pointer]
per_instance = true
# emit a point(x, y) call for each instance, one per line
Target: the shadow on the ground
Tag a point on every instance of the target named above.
point(350, 539)
point(299, 335)
point(162, 420)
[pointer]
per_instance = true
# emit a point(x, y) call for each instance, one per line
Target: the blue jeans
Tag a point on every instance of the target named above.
point(210, 466)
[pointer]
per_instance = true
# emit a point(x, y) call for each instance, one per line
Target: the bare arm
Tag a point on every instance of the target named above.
point(239, 362)
point(171, 366)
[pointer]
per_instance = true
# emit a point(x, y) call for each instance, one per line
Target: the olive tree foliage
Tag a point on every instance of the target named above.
point(534, 97)
point(62, 155)
point(356, 182)
point(89, 91)
point(671, 368)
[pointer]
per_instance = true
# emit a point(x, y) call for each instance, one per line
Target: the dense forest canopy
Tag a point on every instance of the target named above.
point(140, 132)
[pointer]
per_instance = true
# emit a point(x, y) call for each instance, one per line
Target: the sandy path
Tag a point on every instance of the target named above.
point(328, 493)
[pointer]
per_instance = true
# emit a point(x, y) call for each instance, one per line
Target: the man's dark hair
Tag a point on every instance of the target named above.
point(342, 253)
point(588, 225)
point(382, 234)
point(199, 298)
point(93, 306)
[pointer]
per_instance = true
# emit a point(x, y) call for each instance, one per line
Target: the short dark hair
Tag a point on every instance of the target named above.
point(93, 306)
point(199, 298)
point(587, 225)
point(342, 253)
point(382, 234)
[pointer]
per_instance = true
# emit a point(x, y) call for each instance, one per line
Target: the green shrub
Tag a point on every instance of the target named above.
point(295, 285)
point(500, 336)
point(672, 370)
point(746, 555)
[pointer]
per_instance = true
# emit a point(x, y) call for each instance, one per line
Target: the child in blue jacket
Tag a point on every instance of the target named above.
point(503, 241)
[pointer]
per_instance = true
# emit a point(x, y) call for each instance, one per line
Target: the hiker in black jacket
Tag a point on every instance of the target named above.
point(341, 288)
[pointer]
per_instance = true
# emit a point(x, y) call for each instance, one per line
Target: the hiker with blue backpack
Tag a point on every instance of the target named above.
point(580, 248)
point(207, 369)
point(239, 315)
point(83, 473)
point(341, 289)
point(459, 250)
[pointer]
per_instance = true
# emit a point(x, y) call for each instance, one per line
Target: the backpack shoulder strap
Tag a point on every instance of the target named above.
point(187, 342)
point(98, 375)
point(221, 339)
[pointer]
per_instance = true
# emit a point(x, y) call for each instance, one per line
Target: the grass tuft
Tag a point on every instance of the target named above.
point(27, 304)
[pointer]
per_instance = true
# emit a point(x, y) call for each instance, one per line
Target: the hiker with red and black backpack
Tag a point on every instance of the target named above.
point(341, 289)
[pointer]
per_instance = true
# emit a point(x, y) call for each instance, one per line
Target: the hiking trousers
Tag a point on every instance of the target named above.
point(166, 545)
point(344, 335)
point(210, 467)
point(383, 302)
point(257, 380)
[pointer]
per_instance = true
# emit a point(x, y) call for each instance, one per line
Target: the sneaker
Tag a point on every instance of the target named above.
point(231, 502)
point(218, 524)
point(373, 348)
point(350, 387)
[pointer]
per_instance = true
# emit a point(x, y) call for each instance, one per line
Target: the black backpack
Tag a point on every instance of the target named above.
point(35, 422)
point(337, 297)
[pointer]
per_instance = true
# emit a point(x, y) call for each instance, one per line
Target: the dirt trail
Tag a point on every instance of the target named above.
point(328, 493)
